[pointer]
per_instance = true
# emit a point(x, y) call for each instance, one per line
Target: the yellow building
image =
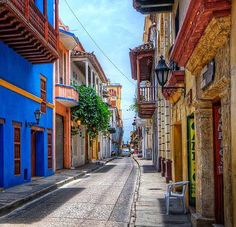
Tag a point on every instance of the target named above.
point(114, 91)
point(196, 117)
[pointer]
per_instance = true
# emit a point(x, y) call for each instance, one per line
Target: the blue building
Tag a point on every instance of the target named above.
point(28, 48)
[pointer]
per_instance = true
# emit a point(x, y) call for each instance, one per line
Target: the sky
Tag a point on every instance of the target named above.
point(116, 26)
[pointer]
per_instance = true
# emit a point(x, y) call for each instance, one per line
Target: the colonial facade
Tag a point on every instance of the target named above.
point(195, 114)
point(65, 97)
point(26, 89)
point(86, 70)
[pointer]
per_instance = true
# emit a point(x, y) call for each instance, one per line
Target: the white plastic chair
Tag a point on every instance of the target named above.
point(177, 195)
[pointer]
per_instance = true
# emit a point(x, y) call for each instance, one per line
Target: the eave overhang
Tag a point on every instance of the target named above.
point(27, 31)
point(69, 40)
point(153, 6)
point(206, 27)
point(142, 57)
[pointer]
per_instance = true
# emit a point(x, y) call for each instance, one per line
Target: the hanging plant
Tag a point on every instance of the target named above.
point(91, 111)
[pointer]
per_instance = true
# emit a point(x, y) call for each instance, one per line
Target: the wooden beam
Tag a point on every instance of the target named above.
point(45, 8)
point(57, 22)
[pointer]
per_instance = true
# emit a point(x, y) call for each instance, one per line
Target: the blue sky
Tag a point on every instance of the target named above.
point(116, 27)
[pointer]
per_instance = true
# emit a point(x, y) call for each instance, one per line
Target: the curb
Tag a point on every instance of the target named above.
point(135, 198)
point(16, 204)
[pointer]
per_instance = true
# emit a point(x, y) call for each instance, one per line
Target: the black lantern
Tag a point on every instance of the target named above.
point(162, 71)
point(37, 115)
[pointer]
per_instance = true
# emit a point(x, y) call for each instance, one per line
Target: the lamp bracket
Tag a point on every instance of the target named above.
point(30, 124)
point(173, 88)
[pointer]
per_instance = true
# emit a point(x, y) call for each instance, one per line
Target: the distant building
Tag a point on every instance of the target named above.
point(116, 123)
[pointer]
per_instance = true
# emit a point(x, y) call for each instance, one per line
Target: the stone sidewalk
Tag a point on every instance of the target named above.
point(150, 204)
point(16, 196)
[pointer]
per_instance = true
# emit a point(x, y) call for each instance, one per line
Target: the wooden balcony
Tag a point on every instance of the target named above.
point(66, 95)
point(146, 101)
point(26, 30)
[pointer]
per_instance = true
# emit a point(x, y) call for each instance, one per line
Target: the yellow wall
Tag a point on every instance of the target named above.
point(117, 88)
point(233, 106)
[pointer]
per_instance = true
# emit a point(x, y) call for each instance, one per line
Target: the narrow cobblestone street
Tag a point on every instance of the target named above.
point(101, 198)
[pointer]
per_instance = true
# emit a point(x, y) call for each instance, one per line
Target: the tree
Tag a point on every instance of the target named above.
point(91, 111)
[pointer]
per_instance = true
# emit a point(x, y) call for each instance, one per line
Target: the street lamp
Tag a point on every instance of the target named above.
point(162, 73)
point(134, 124)
point(37, 115)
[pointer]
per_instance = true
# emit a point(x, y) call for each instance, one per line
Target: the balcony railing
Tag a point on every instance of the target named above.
point(27, 30)
point(147, 94)
point(146, 101)
point(66, 95)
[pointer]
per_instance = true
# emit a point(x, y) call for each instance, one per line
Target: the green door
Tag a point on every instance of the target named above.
point(191, 160)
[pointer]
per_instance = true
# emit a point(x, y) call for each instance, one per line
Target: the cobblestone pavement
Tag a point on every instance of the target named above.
point(101, 198)
point(150, 204)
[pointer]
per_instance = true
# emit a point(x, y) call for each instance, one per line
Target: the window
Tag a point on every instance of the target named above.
point(49, 150)
point(17, 148)
point(94, 81)
point(89, 76)
point(43, 94)
point(177, 22)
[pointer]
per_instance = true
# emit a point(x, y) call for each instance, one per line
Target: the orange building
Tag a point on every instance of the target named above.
point(65, 98)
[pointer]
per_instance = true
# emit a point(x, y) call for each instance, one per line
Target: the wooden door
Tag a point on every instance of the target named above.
point(33, 153)
point(1, 154)
point(178, 159)
point(218, 164)
point(59, 142)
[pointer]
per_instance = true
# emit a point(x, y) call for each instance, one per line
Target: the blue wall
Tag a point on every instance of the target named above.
point(50, 9)
point(1, 155)
point(14, 107)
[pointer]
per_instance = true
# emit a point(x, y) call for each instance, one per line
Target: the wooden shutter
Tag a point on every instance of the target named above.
point(17, 150)
point(43, 94)
point(50, 150)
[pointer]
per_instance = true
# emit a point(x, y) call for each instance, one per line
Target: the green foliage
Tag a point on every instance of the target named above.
point(134, 106)
point(91, 111)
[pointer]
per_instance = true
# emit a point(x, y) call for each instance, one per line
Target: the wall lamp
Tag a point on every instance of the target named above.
point(37, 115)
point(162, 73)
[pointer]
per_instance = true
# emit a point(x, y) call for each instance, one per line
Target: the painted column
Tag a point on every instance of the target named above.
point(86, 72)
point(159, 135)
point(233, 105)
point(204, 163)
point(163, 163)
point(227, 165)
point(167, 142)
